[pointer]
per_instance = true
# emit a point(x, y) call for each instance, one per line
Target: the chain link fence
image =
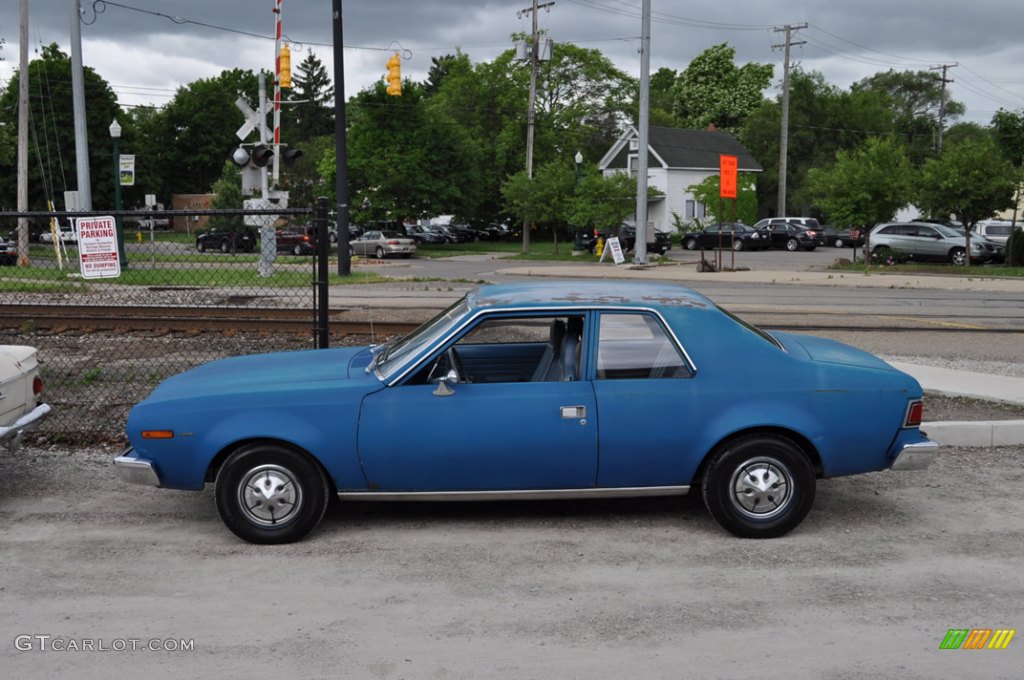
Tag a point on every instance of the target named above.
point(193, 286)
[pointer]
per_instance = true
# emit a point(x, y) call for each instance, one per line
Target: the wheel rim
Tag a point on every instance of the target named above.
point(792, 245)
point(224, 246)
point(270, 495)
point(959, 257)
point(380, 253)
point(691, 245)
point(737, 245)
point(839, 243)
point(761, 488)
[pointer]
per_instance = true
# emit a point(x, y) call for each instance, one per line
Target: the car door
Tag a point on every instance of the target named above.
point(513, 430)
point(364, 244)
point(646, 395)
point(928, 242)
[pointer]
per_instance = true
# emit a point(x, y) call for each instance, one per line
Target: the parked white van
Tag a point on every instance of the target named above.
point(996, 230)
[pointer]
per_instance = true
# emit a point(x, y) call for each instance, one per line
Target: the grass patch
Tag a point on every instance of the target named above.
point(979, 271)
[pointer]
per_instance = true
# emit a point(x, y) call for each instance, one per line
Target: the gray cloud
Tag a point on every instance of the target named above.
point(846, 40)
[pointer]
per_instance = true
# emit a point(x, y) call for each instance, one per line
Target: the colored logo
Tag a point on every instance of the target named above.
point(977, 638)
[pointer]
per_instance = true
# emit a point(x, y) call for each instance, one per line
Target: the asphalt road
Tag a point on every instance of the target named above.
point(866, 588)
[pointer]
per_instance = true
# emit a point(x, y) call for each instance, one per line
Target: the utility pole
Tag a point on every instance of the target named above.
point(534, 49)
point(640, 245)
point(784, 138)
point(23, 135)
point(942, 102)
point(78, 99)
point(340, 147)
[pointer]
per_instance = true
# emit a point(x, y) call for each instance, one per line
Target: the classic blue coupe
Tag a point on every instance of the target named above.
point(560, 389)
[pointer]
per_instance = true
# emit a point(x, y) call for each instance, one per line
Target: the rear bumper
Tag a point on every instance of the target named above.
point(10, 435)
point(915, 456)
point(134, 470)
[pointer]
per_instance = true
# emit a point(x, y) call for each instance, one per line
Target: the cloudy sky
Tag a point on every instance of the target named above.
point(147, 48)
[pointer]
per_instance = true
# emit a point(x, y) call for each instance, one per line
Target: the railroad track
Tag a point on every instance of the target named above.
point(90, 318)
point(185, 319)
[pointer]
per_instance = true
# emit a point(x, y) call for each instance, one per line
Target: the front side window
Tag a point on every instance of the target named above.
point(636, 346)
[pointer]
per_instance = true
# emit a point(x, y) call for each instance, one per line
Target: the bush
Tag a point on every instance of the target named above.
point(1015, 249)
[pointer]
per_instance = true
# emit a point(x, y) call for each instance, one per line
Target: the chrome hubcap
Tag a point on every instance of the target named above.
point(761, 488)
point(269, 495)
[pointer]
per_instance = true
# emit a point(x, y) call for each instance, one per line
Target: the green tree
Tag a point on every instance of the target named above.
point(312, 114)
point(545, 199)
point(195, 132)
point(227, 195)
point(971, 180)
point(303, 179)
point(865, 185)
point(713, 90)
point(708, 192)
point(52, 133)
point(603, 202)
point(1009, 133)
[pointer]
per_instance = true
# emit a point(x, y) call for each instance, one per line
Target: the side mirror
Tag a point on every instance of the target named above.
point(444, 384)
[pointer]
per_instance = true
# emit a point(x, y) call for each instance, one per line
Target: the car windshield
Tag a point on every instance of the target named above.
point(390, 234)
point(948, 232)
point(394, 355)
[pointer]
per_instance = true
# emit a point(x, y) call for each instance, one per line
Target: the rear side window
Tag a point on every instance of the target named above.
point(636, 346)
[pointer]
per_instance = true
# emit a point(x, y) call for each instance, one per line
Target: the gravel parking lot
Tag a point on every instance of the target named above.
point(866, 587)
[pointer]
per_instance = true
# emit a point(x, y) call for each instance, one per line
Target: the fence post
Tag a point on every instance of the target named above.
point(323, 245)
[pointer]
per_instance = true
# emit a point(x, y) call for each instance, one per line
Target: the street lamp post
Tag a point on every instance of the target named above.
point(115, 134)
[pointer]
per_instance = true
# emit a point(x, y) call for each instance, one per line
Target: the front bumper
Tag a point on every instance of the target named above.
point(134, 470)
point(915, 456)
point(10, 435)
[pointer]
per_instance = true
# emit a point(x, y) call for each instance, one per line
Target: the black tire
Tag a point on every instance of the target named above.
point(737, 245)
point(351, 252)
point(838, 243)
point(690, 244)
point(201, 246)
point(759, 486)
point(270, 477)
point(297, 250)
point(225, 246)
point(882, 252)
point(380, 253)
point(792, 245)
point(958, 257)
point(333, 237)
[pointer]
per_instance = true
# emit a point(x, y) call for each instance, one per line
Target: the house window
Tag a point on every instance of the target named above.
point(694, 209)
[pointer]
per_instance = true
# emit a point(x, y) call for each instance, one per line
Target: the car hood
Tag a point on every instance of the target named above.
point(278, 371)
point(830, 351)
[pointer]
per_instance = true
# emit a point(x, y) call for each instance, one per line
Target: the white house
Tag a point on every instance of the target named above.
point(676, 160)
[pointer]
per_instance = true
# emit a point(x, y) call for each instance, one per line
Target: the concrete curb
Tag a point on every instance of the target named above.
point(970, 433)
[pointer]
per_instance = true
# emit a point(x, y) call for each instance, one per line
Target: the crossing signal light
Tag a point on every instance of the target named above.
point(289, 156)
point(261, 155)
point(395, 76)
point(285, 58)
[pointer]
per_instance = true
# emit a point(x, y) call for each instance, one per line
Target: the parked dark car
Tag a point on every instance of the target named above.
point(658, 243)
point(423, 236)
point(794, 237)
point(296, 240)
point(843, 238)
point(454, 234)
point(735, 235)
point(226, 240)
point(8, 252)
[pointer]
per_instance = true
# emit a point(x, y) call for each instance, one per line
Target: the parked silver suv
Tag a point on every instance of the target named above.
point(920, 241)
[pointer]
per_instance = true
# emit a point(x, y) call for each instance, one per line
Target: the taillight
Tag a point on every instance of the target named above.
point(37, 386)
point(306, 239)
point(392, 243)
point(915, 413)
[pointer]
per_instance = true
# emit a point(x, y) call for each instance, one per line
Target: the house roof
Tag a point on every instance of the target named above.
point(683, 149)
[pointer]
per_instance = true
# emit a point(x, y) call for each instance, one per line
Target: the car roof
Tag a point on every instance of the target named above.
point(585, 294)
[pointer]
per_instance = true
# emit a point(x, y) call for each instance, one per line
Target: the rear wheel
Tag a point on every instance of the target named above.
point(792, 245)
point(759, 486)
point(201, 246)
point(690, 244)
point(224, 246)
point(737, 245)
point(380, 253)
point(838, 243)
point(268, 493)
point(958, 256)
point(297, 250)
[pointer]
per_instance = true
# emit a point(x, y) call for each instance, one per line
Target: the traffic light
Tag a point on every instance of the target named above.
point(395, 76)
point(289, 156)
point(286, 66)
point(261, 155)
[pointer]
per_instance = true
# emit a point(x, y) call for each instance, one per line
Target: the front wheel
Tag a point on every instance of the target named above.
point(380, 253)
point(201, 246)
point(224, 246)
point(690, 244)
point(269, 494)
point(737, 245)
point(958, 257)
point(838, 243)
point(759, 486)
point(297, 250)
point(792, 245)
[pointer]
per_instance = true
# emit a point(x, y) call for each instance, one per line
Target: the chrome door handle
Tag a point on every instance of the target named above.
point(574, 411)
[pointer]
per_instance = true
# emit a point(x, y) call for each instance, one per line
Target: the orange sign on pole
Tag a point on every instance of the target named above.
point(728, 166)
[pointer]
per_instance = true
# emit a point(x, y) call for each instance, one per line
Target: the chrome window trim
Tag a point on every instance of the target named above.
point(514, 494)
point(416, 363)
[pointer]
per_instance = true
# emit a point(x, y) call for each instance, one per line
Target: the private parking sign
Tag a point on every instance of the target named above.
point(97, 247)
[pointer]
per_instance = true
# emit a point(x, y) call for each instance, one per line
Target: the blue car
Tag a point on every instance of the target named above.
point(559, 389)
